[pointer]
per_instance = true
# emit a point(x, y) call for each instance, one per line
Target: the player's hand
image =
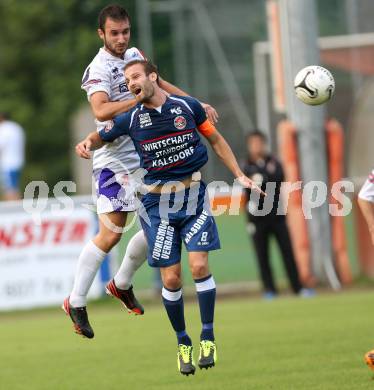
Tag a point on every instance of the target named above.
point(83, 149)
point(248, 183)
point(211, 112)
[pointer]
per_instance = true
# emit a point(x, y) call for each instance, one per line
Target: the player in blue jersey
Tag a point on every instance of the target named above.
point(165, 131)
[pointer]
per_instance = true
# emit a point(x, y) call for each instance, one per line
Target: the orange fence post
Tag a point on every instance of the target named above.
point(335, 154)
point(295, 217)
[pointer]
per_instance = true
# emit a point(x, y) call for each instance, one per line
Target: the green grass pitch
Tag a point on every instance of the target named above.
point(289, 343)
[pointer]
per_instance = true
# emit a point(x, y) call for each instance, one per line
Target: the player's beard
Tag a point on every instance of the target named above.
point(115, 51)
point(147, 93)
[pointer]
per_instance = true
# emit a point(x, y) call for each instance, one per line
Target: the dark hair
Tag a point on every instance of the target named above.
point(257, 133)
point(112, 11)
point(147, 65)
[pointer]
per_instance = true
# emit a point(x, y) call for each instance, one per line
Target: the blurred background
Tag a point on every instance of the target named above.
point(241, 57)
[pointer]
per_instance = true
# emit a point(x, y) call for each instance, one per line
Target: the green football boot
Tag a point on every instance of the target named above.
point(186, 364)
point(208, 354)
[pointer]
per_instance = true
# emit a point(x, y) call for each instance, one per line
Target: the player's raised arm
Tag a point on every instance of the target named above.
point(98, 86)
point(114, 129)
point(104, 109)
point(92, 142)
point(211, 112)
point(219, 144)
point(224, 152)
point(170, 88)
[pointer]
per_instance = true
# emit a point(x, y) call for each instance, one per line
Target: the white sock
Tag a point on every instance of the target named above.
point(136, 254)
point(88, 263)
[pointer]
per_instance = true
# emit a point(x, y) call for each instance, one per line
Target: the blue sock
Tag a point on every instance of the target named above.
point(206, 293)
point(173, 302)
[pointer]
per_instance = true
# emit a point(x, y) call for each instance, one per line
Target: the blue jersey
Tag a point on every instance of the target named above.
point(166, 138)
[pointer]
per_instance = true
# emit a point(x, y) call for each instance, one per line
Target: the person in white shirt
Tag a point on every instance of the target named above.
point(12, 157)
point(107, 92)
point(366, 203)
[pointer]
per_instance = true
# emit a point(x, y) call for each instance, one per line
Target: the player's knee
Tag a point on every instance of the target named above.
point(199, 269)
point(109, 240)
point(172, 281)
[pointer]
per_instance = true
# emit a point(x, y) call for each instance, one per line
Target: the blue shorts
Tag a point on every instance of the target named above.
point(191, 222)
point(11, 179)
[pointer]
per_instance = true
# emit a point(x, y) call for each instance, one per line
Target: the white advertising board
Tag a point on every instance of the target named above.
point(37, 260)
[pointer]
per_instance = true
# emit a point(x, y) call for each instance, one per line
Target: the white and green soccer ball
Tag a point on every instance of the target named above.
point(314, 85)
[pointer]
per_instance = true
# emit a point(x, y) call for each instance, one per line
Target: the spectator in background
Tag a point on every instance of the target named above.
point(12, 157)
point(366, 203)
point(264, 168)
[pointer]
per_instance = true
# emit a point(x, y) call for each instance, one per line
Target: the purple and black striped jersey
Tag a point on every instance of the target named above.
point(166, 138)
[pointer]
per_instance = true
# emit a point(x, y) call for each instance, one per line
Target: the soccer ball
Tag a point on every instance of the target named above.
point(369, 359)
point(314, 85)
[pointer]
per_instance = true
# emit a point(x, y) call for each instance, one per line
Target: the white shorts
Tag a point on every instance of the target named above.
point(367, 190)
point(114, 192)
